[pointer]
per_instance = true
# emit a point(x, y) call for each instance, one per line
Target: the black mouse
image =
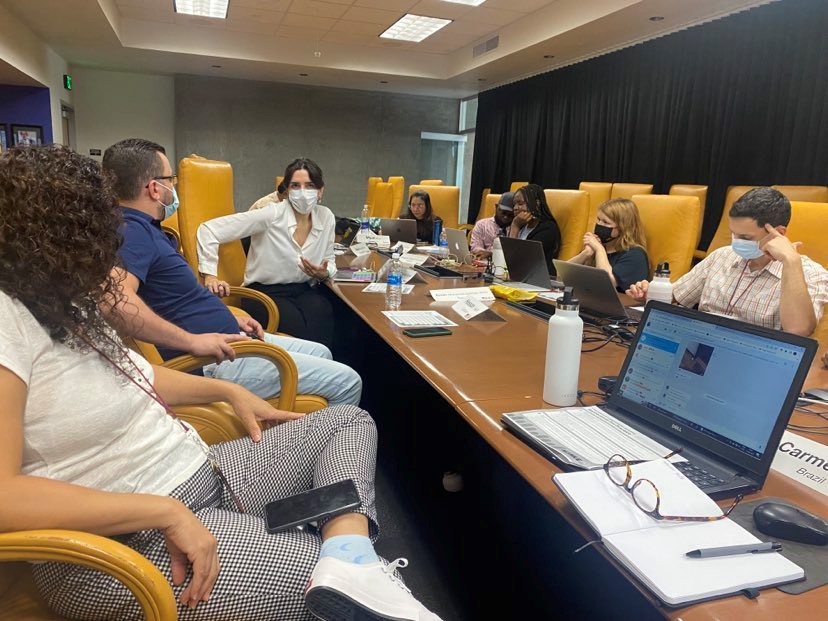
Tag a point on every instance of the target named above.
point(786, 522)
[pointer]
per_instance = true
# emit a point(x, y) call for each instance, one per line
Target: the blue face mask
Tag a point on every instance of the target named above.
point(746, 248)
point(173, 206)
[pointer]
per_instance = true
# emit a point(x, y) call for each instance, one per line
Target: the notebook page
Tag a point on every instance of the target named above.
point(610, 509)
point(657, 558)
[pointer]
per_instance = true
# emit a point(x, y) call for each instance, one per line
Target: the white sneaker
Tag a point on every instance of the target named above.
point(341, 591)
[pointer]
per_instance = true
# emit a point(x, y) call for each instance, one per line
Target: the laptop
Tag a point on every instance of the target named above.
point(594, 291)
point(526, 262)
point(399, 229)
point(458, 245)
point(721, 390)
point(350, 234)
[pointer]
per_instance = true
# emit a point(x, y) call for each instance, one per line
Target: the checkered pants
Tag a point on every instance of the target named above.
point(262, 576)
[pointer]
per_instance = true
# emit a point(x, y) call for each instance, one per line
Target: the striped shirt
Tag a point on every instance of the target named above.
point(484, 234)
point(723, 284)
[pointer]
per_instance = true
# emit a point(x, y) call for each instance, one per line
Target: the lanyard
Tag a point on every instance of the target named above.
point(732, 303)
point(153, 394)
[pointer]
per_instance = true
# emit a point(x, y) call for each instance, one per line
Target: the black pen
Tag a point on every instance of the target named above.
point(750, 548)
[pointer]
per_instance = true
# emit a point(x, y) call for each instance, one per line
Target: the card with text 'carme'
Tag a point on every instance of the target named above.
point(472, 308)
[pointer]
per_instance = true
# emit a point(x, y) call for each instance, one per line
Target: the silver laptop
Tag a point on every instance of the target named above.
point(457, 244)
point(399, 229)
point(526, 262)
point(594, 291)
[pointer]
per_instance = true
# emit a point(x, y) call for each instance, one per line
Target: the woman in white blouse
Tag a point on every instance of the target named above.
point(291, 250)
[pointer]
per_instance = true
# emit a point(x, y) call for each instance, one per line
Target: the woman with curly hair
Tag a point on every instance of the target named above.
point(86, 427)
point(534, 221)
point(617, 244)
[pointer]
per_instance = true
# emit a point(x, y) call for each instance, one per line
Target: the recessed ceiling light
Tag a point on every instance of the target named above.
point(469, 2)
point(549, 56)
point(383, 81)
point(202, 8)
point(303, 75)
point(414, 27)
point(216, 66)
point(656, 18)
point(481, 79)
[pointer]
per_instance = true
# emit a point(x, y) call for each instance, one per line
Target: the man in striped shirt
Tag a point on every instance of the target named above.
point(488, 229)
point(760, 278)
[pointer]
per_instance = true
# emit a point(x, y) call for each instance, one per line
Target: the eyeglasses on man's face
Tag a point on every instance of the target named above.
point(173, 179)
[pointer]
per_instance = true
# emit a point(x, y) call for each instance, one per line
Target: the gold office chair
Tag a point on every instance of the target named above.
point(398, 185)
point(670, 224)
point(700, 192)
point(599, 192)
point(628, 190)
point(482, 211)
point(722, 236)
point(516, 185)
point(804, 193)
point(432, 182)
point(383, 204)
point(490, 206)
point(19, 600)
point(171, 228)
point(809, 221)
point(369, 192)
point(445, 202)
point(571, 211)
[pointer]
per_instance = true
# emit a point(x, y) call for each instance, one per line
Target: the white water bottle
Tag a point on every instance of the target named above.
point(364, 223)
point(563, 352)
point(393, 284)
point(498, 260)
point(661, 289)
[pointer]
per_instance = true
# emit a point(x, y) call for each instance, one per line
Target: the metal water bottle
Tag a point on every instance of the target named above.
point(563, 352)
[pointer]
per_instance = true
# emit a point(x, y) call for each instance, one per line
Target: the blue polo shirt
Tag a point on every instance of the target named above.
point(167, 284)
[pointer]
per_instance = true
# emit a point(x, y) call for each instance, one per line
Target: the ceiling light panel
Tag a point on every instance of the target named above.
point(468, 2)
point(202, 8)
point(414, 28)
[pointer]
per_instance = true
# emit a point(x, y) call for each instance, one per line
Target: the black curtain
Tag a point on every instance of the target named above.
point(742, 100)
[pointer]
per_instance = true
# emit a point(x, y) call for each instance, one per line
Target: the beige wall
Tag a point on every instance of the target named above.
point(24, 51)
point(112, 105)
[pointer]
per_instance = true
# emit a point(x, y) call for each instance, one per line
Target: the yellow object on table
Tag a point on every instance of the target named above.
point(512, 294)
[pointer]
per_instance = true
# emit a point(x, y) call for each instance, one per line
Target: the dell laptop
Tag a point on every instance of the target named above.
point(526, 262)
point(594, 290)
point(720, 390)
point(399, 229)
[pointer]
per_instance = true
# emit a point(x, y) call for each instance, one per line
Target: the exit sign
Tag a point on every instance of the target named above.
point(67, 81)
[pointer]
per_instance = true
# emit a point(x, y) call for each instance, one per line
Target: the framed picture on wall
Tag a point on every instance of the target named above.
point(4, 137)
point(26, 135)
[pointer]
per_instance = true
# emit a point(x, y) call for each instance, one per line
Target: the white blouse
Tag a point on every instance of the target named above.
point(273, 258)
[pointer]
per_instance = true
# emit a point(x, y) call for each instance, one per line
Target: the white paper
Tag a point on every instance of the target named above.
point(411, 319)
point(803, 460)
point(469, 307)
point(379, 287)
point(451, 295)
point(360, 249)
point(405, 247)
point(414, 259)
point(383, 241)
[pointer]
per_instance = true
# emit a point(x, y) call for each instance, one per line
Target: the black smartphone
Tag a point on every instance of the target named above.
point(315, 504)
point(417, 333)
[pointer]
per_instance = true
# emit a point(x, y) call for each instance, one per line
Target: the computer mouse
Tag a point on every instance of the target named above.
point(785, 522)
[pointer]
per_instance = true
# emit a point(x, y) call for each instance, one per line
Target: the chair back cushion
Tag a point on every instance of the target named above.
point(806, 193)
point(489, 206)
point(599, 192)
point(516, 185)
point(670, 224)
point(628, 190)
point(398, 185)
point(445, 202)
point(571, 210)
point(700, 192)
point(809, 225)
point(383, 205)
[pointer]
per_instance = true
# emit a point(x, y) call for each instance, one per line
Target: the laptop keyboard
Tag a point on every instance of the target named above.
point(699, 476)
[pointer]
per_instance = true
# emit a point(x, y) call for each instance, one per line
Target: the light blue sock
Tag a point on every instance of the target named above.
point(356, 549)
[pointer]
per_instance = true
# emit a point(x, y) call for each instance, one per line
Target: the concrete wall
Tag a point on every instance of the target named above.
point(24, 51)
point(259, 127)
point(113, 105)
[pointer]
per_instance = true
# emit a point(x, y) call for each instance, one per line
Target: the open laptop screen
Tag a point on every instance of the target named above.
point(728, 382)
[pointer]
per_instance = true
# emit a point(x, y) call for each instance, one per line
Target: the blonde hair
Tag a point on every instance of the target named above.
point(624, 214)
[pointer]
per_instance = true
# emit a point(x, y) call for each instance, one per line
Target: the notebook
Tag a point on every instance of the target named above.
point(654, 550)
point(594, 290)
point(719, 389)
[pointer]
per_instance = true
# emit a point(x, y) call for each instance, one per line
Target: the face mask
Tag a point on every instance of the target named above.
point(746, 248)
point(604, 233)
point(173, 206)
point(303, 201)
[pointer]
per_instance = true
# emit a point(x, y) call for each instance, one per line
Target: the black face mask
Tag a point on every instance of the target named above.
point(604, 233)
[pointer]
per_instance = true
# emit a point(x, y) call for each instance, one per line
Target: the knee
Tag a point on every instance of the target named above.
point(348, 415)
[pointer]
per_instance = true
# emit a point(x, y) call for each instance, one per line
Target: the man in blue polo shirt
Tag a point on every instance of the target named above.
point(163, 303)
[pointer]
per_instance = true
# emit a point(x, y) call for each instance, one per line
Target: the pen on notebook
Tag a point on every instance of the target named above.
point(750, 548)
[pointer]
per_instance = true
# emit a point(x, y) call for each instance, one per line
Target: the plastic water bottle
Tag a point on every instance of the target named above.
point(563, 352)
point(498, 260)
point(661, 289)
point(393, 284)
point(444, 251)
point(364, 223)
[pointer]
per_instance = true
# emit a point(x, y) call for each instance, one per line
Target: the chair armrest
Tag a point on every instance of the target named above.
point(134, 571)
point(465, 227)
point(272, 310)
point(214, 422)
point(288, 373)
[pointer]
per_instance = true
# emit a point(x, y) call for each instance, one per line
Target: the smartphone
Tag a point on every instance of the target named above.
point(315, 504)
point(817, 393)
point(417, 333)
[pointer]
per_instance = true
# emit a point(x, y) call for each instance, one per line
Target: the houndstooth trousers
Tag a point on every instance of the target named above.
point(262, 576)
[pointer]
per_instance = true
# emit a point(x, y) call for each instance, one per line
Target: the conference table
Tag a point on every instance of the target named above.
point(461, 369)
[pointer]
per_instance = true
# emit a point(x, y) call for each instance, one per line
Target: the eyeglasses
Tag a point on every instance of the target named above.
point(173, 178)
point(645, 494)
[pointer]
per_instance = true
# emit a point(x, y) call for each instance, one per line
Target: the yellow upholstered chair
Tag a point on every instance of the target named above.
point(571, 211)
point(482, 210)
point(722, 236)
point(628, 190)
point(383, 204)
point(516, 185)
point(489, 206)
point(805, 193)
point(700, 192)
point(279, 179)
point(670, 224)
point(369, 192)
point(599, 192)
point(431, 182)
point(445, 202)
point(809, 224)
point(19, 599)
point(398, 185)
point(821, 332)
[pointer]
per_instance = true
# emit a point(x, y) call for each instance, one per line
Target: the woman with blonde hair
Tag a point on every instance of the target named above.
point(617, 244)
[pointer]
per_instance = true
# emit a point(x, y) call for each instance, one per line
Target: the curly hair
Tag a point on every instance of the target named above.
point(59, 239)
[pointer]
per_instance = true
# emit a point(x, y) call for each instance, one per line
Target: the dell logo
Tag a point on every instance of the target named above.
point(676, 427)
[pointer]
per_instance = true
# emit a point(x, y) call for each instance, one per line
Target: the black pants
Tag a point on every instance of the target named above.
point(304, 311)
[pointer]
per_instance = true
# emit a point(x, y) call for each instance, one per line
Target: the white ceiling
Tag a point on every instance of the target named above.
point(336, 42)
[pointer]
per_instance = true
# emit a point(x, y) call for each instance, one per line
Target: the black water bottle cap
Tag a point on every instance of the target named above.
point(663, 269)
point(567, 301)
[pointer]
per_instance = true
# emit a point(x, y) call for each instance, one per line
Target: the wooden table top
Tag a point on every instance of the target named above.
point(487, 368)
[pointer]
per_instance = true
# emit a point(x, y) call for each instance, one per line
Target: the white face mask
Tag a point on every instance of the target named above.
point(303, 201)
